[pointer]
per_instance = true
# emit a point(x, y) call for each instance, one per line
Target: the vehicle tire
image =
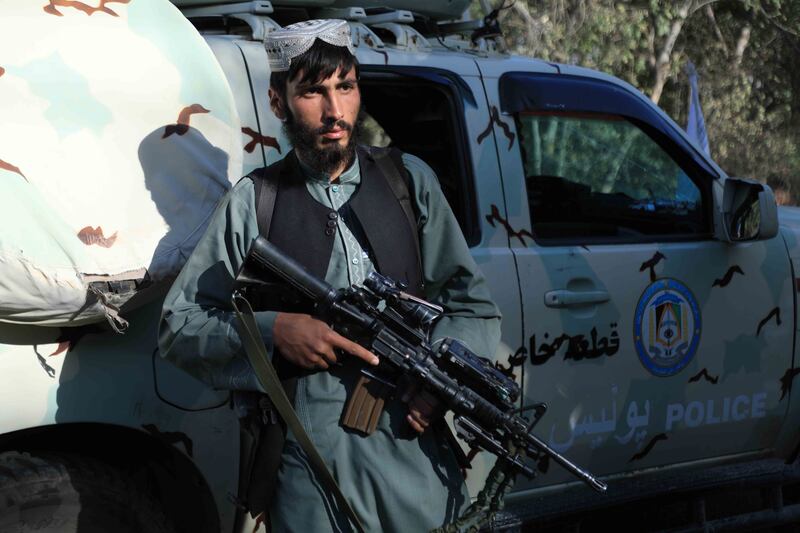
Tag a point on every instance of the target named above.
point(61, 492)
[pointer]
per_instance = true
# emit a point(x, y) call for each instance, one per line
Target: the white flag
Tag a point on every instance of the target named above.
point(696, 124)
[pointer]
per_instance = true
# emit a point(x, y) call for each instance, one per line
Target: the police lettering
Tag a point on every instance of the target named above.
point(716, 411)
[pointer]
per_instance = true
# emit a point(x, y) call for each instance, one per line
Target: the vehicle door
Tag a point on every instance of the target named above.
point(651, 342)
point(438, 112)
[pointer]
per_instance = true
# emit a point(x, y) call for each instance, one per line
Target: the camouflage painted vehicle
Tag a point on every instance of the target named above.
point(648, 298)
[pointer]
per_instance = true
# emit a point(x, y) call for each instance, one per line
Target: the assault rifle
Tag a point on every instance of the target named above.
point(394, 326)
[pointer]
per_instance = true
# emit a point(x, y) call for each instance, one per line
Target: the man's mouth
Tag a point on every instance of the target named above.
point(336, 133)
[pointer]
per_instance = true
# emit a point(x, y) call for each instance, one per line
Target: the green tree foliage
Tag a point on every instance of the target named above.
point(747, 54)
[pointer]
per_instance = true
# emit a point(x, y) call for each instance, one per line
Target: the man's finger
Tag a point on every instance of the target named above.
point(319, 363)
point(354, 349)
point(415, 424)
point(424, 410)
point(329, 355)
point(419, 416)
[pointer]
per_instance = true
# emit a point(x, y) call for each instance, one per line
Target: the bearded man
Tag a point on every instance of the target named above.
point(342, 211)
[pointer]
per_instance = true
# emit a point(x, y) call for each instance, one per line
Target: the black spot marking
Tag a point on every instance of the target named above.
point(180, 129)
point(495, 215)
point(723, 282)
point(171, 437)
point(651, 264)
point(648, 448)
point(787, 379)
point(47, 368)
point(704, 374)
point(494, 118)
point(774, 313)
point(256, 138)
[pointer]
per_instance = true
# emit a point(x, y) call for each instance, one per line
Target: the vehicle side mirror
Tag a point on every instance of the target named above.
point(749, 211)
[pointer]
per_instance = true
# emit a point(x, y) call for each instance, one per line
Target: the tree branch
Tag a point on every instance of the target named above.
point(717, 32)
point(741, 45)
point(775, 22)
point(522, 10)
point(665, 53)
point(686, 9)
point(701, 4)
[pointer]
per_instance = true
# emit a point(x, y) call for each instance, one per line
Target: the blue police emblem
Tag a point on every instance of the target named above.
point(666, 327)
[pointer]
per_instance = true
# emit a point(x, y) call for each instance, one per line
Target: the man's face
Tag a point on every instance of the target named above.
point(320, 118)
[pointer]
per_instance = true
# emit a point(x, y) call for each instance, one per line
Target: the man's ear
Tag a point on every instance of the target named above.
point(277, 104)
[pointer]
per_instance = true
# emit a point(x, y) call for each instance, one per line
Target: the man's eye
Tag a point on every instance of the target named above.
point(346, 87)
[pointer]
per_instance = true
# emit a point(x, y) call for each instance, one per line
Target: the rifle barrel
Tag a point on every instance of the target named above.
point(577, 471)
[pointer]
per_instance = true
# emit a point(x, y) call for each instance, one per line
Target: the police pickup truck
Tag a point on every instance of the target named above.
point(648, 299)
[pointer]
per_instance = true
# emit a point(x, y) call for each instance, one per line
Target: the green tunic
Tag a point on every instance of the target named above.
point(394, 480)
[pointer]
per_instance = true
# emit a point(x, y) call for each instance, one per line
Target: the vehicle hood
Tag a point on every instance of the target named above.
point(789, 216)
point(789, 221)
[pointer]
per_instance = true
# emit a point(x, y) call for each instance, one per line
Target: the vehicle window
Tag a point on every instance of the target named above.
point(600, 178)
point(423, 120)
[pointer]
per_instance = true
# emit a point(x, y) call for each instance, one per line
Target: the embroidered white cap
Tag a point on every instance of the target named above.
point(285, 44)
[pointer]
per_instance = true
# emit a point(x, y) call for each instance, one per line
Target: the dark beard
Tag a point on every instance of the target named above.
point(332, 155)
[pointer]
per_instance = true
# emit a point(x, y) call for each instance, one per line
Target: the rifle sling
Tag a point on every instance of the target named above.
point(268, 377)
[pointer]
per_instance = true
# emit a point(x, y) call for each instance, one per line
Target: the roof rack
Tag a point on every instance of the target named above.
point(405, 36)
point(401, 16)
point(256, 7)
point(254, 14)
point(344, 13)
point(371, 27)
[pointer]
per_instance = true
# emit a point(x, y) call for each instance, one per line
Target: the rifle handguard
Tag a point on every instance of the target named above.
point(265, 260)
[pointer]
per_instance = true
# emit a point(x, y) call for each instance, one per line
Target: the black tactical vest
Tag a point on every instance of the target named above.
point(380, 210)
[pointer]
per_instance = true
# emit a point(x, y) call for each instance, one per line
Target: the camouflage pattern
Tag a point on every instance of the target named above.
point(119, 135)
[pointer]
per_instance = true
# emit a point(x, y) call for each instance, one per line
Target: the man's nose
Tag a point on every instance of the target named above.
point(333, 107)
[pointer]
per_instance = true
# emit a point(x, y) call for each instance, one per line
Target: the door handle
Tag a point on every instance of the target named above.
point(566, 298)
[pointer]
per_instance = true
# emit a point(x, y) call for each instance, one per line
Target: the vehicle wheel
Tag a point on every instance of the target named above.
point(70, 493)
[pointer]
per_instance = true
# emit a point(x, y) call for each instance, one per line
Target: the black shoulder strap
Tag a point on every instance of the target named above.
point(390, 163)
point(265, 181)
